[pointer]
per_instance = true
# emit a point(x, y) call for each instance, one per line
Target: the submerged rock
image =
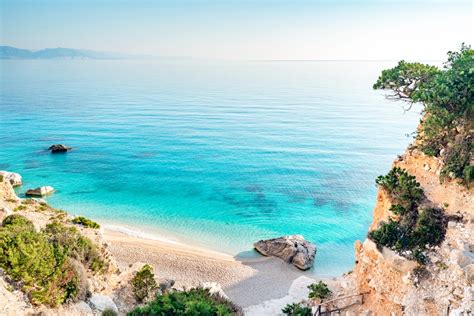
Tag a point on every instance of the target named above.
point(12, 177)
point(292, 249)
point(59, 148)
point(41, 191)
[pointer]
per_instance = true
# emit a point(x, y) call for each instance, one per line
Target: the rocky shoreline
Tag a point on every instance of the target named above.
point(247, 283)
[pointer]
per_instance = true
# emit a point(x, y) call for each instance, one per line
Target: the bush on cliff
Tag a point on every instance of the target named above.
point(415, 228)
point(77, 246)
point(143, 284)
point(42, 269)
point(447, 95)
point(196, 301)
point(403, 188)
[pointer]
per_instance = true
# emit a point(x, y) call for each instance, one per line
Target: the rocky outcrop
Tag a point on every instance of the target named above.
point(41, 191)
point(395, 285)
point(102, 303)
point(12, 177)
point(293, 249)
point(59, 148)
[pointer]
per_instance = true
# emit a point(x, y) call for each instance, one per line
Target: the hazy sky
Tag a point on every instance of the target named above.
point(260, 29)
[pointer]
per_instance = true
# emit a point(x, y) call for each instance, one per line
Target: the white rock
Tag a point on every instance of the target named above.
point(41, 191)
point(101, 303)
point(12, 177)
point(214, 289)
point(292, 249)
point(81, 308)
point(460, 258)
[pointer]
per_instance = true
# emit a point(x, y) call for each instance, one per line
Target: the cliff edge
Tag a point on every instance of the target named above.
point(444, 285)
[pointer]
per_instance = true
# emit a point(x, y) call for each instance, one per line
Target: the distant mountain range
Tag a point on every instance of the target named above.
point(9, 52)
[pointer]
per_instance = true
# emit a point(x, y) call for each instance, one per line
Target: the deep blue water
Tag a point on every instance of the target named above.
point(219, 154)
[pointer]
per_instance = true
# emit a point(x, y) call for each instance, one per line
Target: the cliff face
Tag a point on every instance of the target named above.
point(396, 285)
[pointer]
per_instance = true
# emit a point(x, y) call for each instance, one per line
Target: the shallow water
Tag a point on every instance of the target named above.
point(219, 154)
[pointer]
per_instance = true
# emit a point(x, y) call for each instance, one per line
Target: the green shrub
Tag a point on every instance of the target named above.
point(85, 222)
point(296, 309)
point(468, 174)
point(77, 246)
point(402, 187)
point(415, 228)
point(196, 301)
point(319, 290)
point(19, 208)
point(430, 227)
point(388, 234)
point(143, 284)
point(457, 159)
point(42, 268)
point(109, 312)
point(17, 222)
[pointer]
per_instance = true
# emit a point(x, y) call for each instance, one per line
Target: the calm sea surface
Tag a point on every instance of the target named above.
point(219, 154)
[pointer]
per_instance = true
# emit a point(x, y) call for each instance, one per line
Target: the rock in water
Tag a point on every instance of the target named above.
point(12, 177)
point(59, 148)
point(41, 191)
point(293, 249)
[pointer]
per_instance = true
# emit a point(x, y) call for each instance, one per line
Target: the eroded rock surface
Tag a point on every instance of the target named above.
point(59, 148)
point(12, 177)
point(293, 249)
point(41, 191)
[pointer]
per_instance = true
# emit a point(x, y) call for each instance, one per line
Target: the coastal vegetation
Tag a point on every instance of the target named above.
point(319, 291)
point(297, 309)
point(81, 220)
point(46, 264)
point(446, 129)
point(414, 227)
point(42, 268)
point(143, 284)
point(78, 247)
point(195, 301)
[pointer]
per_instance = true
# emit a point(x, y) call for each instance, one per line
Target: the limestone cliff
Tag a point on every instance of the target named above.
point(395, 285)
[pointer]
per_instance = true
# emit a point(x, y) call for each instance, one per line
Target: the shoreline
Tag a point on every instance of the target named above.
point(246, 281)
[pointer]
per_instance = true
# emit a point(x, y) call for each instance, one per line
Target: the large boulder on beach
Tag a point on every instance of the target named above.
point(12, 177)
point(41, 191)
point(293, 249)
point(59, 148)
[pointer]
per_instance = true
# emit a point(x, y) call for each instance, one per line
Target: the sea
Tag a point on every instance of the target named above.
point(216, 154)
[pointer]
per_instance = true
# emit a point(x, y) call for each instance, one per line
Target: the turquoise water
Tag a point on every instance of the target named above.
point(219, 154)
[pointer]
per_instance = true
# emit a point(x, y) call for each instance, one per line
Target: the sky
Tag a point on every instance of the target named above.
point(260, 29)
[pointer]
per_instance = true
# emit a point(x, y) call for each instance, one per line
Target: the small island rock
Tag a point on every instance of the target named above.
point(59, 148)
point(12, 177)
point(293, 249)
point(41, 191)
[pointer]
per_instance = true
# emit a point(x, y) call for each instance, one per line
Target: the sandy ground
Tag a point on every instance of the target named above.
point(247, 282)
